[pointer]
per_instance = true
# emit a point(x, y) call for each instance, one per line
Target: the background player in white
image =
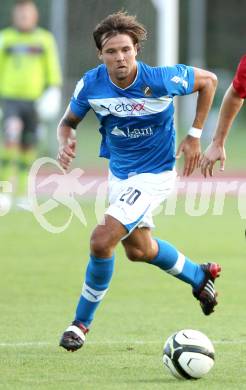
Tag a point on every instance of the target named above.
point(134, 105)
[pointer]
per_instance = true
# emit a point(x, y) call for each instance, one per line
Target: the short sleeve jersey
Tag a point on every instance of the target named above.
point(136, 122)
point(28, 63)
point(239, 81)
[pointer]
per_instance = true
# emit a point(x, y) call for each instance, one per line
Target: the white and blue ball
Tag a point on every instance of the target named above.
point(188, 354)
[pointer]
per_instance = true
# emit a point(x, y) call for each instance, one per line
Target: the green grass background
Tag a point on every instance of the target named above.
point(41, 278)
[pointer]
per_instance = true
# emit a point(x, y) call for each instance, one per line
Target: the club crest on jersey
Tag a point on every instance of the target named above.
point(147, 91)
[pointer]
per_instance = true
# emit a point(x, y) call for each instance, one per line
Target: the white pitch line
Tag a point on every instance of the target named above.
point(233, 342)
point(124, 342)
point(25, 344)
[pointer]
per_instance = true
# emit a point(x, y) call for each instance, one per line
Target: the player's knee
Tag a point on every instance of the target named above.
point(136, 254)
point(100, 246)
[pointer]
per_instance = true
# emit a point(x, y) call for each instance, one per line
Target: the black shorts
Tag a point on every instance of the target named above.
point(25, 110)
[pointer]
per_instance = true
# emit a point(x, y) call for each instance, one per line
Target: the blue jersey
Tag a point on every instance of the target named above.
point(136, 122)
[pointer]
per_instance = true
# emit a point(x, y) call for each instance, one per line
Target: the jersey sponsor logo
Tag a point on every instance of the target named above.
point(124, 107)
point(133, 133)
point(118, 132)
point(24, 49)
point(177, 80)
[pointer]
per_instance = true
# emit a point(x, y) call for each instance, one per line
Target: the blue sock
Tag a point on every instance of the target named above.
point(176, 264)
point(97, 278)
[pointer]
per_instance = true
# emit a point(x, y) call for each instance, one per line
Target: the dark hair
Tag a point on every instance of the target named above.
point(23, 2)
point(119, 23)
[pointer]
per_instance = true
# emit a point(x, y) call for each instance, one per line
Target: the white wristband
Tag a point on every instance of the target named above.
point(194, 132)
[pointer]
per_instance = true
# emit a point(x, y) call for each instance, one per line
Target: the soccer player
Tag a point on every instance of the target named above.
point(231, 105)
point(29, 75)
point(134, 105)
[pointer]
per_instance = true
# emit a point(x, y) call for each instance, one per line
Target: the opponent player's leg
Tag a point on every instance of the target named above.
point(97, 279)
point(140, 246)
point(26, 158)
point(28, 148)
point(9, 152)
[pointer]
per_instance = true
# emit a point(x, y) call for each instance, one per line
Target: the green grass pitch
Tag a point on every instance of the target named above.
point(41, 277)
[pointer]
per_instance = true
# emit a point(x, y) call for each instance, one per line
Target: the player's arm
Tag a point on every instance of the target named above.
point(205, 84)
point(66, 136)
point(230, 107)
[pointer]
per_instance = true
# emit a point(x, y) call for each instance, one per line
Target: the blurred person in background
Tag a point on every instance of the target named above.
point(134, 105)
point(231, 105)
point(30, 81)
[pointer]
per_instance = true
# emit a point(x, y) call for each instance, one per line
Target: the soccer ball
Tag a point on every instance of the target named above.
point(188, 354)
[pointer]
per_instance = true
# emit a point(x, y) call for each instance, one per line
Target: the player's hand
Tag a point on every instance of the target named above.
point(66, 154)
point(212, 154)
point(191, 149)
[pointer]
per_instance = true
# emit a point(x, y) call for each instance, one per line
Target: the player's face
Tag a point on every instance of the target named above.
point(119, 55)
point(25, 17)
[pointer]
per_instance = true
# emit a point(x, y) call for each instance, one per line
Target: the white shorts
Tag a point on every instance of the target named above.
point(133, 200)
